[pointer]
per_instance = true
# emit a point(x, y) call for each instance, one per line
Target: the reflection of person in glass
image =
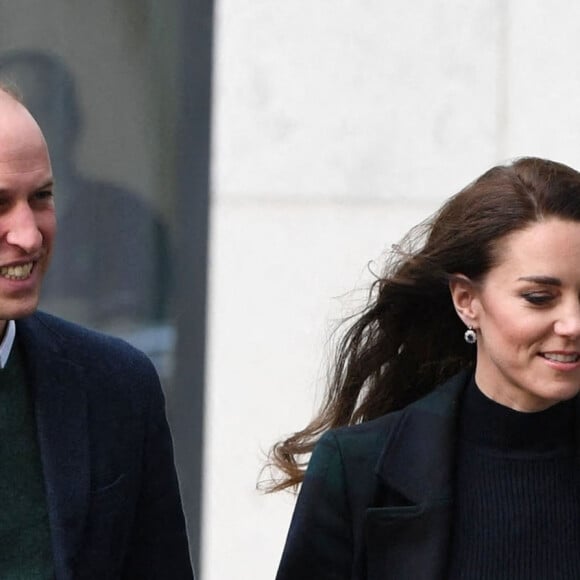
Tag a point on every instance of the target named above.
point(111, 269)
point(88, 487)
point(478, 477)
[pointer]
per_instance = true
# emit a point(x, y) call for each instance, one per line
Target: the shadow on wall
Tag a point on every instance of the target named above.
point(111, 265)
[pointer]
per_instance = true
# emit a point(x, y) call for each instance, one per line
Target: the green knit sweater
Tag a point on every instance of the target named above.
point(25, 548)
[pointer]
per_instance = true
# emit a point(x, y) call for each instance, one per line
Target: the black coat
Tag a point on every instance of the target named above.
point(377, 497)
point(111, 489)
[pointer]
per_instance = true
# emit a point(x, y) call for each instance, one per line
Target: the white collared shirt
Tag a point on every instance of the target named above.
point(7, 342)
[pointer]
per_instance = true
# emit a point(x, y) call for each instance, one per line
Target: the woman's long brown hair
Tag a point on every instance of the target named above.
point(409, 339)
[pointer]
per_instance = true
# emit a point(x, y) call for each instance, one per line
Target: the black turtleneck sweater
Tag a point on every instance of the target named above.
point(517, 509)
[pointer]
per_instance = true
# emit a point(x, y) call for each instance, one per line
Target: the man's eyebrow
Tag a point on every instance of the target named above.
point(48, 184)
point(548, 280)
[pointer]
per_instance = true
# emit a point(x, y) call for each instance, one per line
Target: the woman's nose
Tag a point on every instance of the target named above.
point(569, 323)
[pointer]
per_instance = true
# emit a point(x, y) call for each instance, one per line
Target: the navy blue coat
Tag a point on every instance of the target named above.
point(111, 489)
point(376, 502)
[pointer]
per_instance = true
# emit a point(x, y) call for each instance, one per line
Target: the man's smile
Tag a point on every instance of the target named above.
point(17, 272)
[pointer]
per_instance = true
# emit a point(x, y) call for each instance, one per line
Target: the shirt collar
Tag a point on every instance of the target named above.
point(7, 342)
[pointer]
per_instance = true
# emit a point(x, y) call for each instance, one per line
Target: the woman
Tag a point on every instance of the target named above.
point(446, 446)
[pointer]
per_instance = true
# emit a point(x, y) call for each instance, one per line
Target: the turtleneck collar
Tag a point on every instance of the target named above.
point(491, 425)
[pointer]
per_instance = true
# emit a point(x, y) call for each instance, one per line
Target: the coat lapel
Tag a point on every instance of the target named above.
point(408, 535)
point(58, 387)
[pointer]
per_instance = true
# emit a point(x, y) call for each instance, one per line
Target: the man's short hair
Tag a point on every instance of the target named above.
point(11, 89)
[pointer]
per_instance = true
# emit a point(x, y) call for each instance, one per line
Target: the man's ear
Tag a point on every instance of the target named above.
point(464, 294)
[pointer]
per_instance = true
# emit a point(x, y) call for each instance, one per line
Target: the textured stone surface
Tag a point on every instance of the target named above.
point(337, 125)
point(542, 70)
point(353, 99)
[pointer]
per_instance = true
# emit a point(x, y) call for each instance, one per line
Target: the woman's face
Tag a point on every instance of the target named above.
point(527, 314)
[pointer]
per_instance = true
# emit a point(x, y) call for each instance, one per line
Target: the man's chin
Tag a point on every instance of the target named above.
point(23, 309)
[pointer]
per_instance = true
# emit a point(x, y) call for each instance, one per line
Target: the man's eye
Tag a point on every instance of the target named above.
point(43, 194)
point(537, 298)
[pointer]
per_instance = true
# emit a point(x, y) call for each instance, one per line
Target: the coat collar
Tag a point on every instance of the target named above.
point(410, 538)
point(417, 459)
point(58, 388)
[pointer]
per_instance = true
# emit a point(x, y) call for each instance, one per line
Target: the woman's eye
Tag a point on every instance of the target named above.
point(537, 298)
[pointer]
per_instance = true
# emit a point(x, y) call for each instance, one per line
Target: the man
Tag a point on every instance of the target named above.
point(87, 486)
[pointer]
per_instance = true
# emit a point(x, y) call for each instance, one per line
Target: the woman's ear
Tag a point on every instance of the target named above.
point(464, 295)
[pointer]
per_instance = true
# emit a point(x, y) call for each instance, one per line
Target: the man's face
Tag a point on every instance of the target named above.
point(27, 216)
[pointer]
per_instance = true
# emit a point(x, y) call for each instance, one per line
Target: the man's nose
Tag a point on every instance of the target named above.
point(23, 229)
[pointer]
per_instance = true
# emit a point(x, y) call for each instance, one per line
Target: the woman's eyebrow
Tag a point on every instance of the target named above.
point(549, 280)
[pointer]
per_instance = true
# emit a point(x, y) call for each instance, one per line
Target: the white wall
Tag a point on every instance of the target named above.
point(337, 125)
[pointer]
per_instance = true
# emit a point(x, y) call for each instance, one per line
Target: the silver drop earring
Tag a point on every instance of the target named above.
point(470, 336)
